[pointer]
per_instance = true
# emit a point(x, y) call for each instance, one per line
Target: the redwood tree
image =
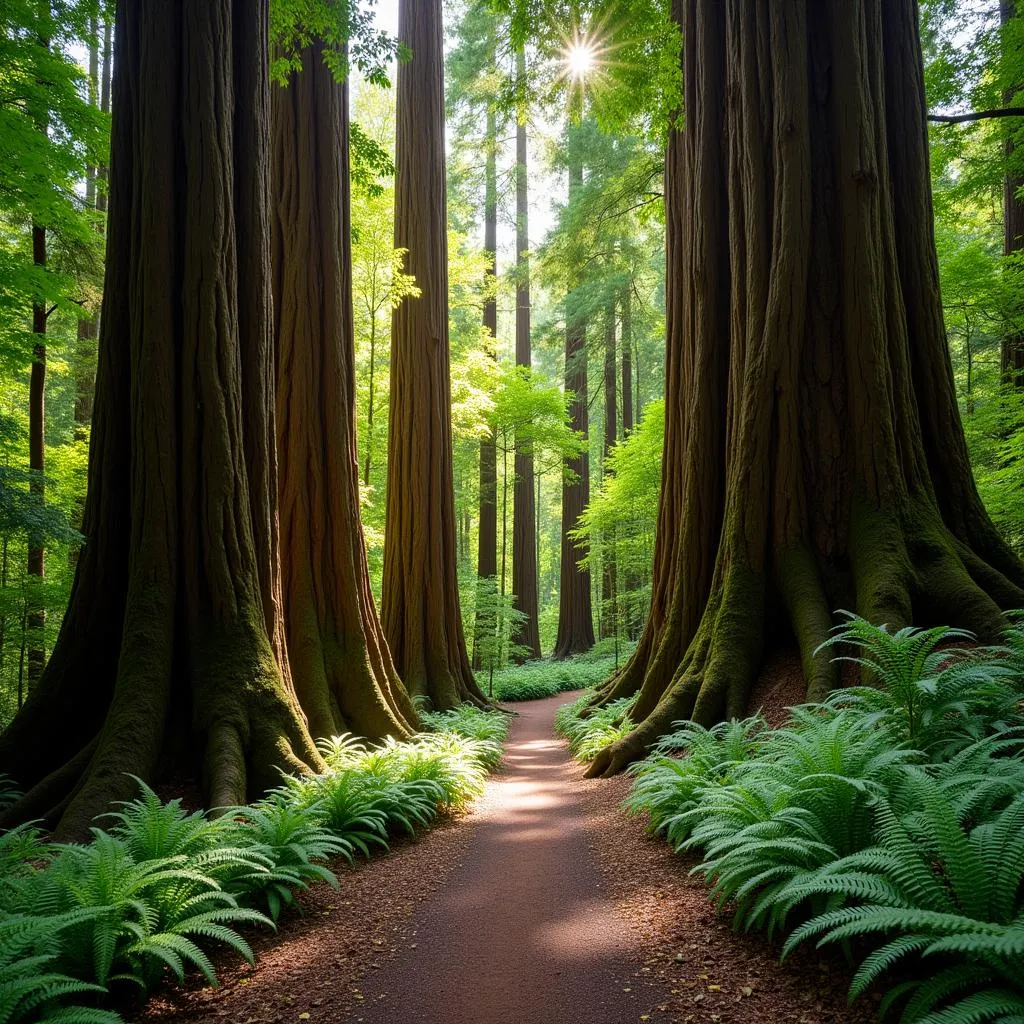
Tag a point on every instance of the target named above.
point(524, 502)
point(341, 666)
point(814, 457)
point(575, 615)
point(1012, 351)
point(165, 663)
point(487, 534)
point(420, 608)
point(609, 602)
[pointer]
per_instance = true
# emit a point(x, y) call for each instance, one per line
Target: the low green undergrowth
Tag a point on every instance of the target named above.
point(158, 887)
point(536, 680)
point(888, 820)
point(588, 736)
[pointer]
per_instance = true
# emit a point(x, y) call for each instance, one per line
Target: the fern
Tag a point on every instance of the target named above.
point(30, 985)
point(946, 892)
point(935, 698)
point(588, 736)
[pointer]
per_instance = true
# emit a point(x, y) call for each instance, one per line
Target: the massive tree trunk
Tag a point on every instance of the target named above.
point(575, 615)
point(340, 663)
point(609, 603)
point(420, 612)
point(165, 664)
point(487, 536)
point(524, 503)
point(817, 460)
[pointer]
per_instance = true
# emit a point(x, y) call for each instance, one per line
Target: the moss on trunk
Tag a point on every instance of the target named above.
point(166, 661)
point(818, 457)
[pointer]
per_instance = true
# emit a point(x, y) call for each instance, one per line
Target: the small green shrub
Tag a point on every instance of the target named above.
point(669, 783)
point(603, 726)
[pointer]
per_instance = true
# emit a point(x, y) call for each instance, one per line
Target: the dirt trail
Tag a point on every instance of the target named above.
point(524, 931)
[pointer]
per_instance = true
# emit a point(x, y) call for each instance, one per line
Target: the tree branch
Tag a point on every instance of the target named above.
point(977, 115)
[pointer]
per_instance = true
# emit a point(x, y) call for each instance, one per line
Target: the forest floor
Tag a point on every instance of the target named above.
point(544, 904)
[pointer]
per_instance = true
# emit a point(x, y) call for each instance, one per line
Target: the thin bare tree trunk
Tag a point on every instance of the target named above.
point(524, 505)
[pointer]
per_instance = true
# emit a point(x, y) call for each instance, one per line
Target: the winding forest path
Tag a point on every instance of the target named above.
point(543, 905)
point(525, 931)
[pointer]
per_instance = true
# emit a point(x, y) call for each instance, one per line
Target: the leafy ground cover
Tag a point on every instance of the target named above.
point(536, 680)
point(158, 887)
point(887, 821)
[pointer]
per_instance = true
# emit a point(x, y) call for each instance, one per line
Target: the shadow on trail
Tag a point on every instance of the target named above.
point(523, 933)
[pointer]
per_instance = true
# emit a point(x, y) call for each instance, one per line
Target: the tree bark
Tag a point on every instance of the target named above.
point(524, 504)
point(487, 534)
point(609, 608)
point(626, 301)
point(575, 616)
point(822, 463)
point(36, 617)
point(420, 609)
point(1012, 349)
point(165, 663)
point(341, 666)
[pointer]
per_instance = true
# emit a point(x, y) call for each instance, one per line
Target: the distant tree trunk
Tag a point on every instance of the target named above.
point(632, 579)
point(524, 506)
point(1012, 354)
point(85, 347)
point(95, 199)
point(36, 617)
point(575, 617)
point(420, 612)
point(165, 663)
point(626, 301)
point(341, 666)
point(824, 465)
point(371, 399)
point(609, 625)
point(487, 535)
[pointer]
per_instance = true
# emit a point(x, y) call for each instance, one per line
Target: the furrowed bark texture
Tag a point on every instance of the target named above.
point(1012, 349)
point(420, 609)
point(609, 605)
point(487, 535)
point(575, 612)
point(341, 667)
point(524, 498)
point(817, 461)
point(165, 664)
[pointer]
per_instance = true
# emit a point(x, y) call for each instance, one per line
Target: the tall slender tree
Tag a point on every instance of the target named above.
point(420, 609)
point(817, 460)
point(166, 657)
point(340, 663)
point(609, 605)
point(36, 617)
point(1012, 353)
point(526, 635)
point(626, 304)
point(487, 534)
point(575, 615)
